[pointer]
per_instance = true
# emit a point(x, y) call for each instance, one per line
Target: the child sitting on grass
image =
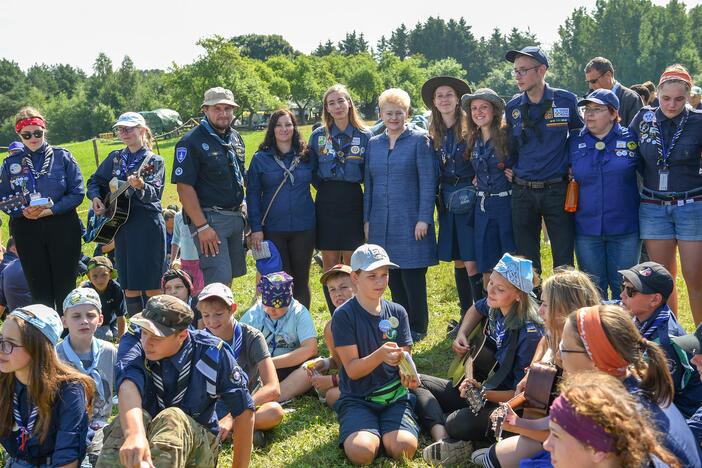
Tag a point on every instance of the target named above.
point(289, 332)
point(91, 356)
point(217, 305)
point(338, 282)
point(113, 308)
point(371, 336)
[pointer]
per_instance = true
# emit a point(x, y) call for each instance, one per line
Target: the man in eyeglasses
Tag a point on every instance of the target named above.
point(540, 120)
point(599, 73)
point(645, 290)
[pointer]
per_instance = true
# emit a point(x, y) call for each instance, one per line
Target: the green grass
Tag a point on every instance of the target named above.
point(308, 435)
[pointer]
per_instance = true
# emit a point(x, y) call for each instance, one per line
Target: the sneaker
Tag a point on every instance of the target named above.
point(259, 439)
point(448, 452)
point(417, 337)
point(452, 329)
point(479, 456)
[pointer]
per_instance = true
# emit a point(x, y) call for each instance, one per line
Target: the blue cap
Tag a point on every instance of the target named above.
point(276, 289)
point(130, 119)
point(603, 97)
point(517, 271)
point(15, 147)
point(270, 264)
point(44, 318)
point(534, 52)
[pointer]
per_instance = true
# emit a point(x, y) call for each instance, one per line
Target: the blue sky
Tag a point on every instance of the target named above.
point(156, 33)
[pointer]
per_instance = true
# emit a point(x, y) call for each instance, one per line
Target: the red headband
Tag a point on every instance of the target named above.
point(676, 75)
point(580, 426)
point(29, 121)
point(597, 345)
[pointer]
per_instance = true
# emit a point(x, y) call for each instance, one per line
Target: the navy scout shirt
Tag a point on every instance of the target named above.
point(340, 155)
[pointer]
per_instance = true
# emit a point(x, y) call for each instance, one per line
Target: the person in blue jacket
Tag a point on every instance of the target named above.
point(46, 228)
point(140, 244)
point(670, 214)
point(442, 95)
point(398, 205)
point(280, 201)
point(44, 415)
point(540, 119)
point(487, 140)
point(603, 162)
point(692, 344)
point(339, 146)
point(169, 379)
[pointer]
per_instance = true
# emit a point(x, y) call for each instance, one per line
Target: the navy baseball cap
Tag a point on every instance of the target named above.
point(692, 344)
point(650, 278)
point(534, 52)
point(603, 97)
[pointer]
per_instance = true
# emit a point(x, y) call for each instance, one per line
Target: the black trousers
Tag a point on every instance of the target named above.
point(436, 398)
point(49, 250)
point(528, 207)
point(408, 287)
point(296, 248)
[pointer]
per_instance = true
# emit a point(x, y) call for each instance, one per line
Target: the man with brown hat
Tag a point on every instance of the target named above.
point(209, 170)
point(169, 379)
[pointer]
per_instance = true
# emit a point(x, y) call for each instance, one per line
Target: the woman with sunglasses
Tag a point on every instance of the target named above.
point(45, 224)
point(670, 214)
point(603, 162)
point(140, 244)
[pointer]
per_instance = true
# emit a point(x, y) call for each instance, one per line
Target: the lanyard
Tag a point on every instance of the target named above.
point(25, 431)
point(663, 151)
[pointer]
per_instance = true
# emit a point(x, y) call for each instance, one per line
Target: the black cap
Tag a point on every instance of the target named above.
point(534, 52)
point(691, 344)
point(650, 278)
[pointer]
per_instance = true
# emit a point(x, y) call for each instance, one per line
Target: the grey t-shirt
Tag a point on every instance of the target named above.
point(254, 351)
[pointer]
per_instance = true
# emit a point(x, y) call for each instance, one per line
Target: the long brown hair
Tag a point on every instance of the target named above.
point(354, 119)
point(46, 377)
point(298, 144)
point(437, 127)
point(566, 290)
point(604, 399)
point(498, 133)
point(647, 358)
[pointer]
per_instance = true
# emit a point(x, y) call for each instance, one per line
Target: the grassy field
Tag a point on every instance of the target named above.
point(308, 435)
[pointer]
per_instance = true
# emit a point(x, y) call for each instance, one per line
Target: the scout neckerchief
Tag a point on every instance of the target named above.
point(500, 330)
point(25, 431)
point(333, 146)
point(128, 162)
point(448, 146)
point(92, 371)
point(229, 146)
point(664, 151)
point(288, 171)
point(237, 339)
point(48, 157)
point(183, 377)
point(528, 122)
point(649, 327)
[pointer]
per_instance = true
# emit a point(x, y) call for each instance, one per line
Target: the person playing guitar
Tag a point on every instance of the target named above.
point(513, 330)
point(140, 244)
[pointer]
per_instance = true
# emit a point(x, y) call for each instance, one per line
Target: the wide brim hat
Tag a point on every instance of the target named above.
point(485, 94)
point(429, 86)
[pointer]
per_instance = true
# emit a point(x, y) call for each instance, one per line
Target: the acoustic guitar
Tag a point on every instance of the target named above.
point(103, 228)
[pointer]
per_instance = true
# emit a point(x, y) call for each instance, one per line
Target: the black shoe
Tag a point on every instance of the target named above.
point(417, 337)
point(452, 329)
point(259, 439)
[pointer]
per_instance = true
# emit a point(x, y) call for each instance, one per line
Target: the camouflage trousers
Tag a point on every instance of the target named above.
point(175, 439)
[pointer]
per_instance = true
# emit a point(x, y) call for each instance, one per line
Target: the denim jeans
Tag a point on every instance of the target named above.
point(603, 256)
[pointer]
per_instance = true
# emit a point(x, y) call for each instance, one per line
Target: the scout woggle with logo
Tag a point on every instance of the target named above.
point(389, 328)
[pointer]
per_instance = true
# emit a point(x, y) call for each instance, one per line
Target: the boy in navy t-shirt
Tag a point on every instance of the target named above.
point(371, 335)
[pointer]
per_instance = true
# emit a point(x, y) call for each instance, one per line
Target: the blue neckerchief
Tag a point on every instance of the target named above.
point(130, 161)
point(649, 327)
point(229, 145)
point(92, 371)
point(500, 330)
point(237, 340)
point(25, 432)
point(663, 150)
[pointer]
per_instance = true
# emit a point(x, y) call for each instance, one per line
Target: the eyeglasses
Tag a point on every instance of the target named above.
point(125, 130)
point(595, 80)
point(631, 292)
point(523, 71)
point(594, 110)
point(6, 347)
point(35, 134)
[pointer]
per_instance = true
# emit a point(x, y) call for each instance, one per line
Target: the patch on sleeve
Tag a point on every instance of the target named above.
point(181, 153)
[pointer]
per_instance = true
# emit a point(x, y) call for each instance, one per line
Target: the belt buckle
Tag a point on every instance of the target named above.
point(538, 185)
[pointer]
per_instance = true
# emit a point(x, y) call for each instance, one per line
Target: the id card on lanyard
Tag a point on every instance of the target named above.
point(663, 180)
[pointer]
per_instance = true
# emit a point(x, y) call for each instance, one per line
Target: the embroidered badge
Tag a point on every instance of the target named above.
point(15, 168)
point(561, 112)
point(632, 145)
point(181, 153)
point(179, 171)
point(205, 146)
point(621, 144)
point(648, 116)
point(516, 114)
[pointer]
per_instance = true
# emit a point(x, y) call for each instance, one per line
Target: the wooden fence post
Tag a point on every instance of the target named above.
point(95, 150)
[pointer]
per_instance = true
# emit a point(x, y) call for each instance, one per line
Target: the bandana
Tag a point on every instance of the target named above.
point(676, 75)
point(580, 426)
point(38, 121)
point(598, 347)
point(517, 271)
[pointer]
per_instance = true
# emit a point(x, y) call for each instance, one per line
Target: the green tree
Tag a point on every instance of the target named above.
point(353, 44)
point(325, 49)
point(399, 41)
point(13, 88)
point(446, 67)
point(263, 46)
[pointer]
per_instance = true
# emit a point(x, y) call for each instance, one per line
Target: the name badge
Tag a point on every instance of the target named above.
point(356, 141)
point(663, 180)
point(621, 144)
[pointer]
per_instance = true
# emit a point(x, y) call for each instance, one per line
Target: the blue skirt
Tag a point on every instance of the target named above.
point(493, 231)
point(456, 237)
point(140, 250)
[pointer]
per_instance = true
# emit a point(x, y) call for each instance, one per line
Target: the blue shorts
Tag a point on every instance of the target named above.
point(357, 414)
point(658, 222)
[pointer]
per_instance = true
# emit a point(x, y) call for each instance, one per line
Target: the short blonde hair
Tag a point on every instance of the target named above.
point(395, 96)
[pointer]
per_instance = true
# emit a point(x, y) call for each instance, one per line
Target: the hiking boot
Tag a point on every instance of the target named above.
point(448, 452)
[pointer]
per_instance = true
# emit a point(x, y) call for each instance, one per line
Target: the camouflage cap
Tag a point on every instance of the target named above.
point(164, 315)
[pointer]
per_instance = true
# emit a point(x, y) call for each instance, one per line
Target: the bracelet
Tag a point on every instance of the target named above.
point(204, 227)
point(335, 380)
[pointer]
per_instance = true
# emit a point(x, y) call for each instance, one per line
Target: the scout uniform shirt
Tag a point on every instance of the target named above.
point(340, 155)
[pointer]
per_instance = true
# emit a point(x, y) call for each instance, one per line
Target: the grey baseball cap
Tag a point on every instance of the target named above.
point(219, 95)
point(368, 257)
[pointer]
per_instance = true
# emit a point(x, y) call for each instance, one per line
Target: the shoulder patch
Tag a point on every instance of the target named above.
point(181, 153)
point(516, 114)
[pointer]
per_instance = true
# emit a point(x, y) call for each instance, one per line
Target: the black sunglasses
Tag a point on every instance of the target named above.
point(35, 134)
point(631, 292)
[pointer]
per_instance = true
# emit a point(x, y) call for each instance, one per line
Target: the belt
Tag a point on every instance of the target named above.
point(671, 196)
point(679, 202)
point(506, 193)
point(537, 184)
point(455, 180)
point(219, 209)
